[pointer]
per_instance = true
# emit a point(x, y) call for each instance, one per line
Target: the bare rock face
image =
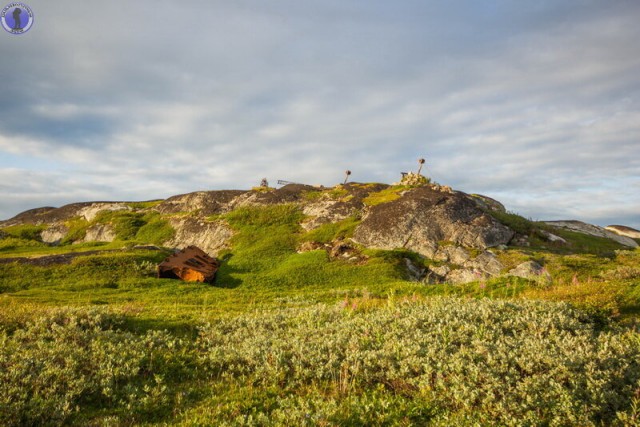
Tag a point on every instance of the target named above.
point(90, 212)
point(99, 233)
point(209, 236)
point(423, 217)
point(203, 202)
point(54, 234)
point(593, 230)
point(623, 230)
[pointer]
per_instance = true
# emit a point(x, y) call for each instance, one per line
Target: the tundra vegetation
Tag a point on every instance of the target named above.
point(304, 338)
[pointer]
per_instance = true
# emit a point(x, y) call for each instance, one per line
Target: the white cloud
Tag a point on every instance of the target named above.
point(537, 104)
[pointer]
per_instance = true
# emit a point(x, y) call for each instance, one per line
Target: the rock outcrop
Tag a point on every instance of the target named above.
point(593, 230)
point(210, 236)
point(423, 217)
point(623, 230)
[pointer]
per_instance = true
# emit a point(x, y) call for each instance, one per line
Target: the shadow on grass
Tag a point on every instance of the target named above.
point(225, 276)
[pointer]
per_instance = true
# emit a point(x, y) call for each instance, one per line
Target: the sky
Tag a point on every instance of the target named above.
point(536, 104)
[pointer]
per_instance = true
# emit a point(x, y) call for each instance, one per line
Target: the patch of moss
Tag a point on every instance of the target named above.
point(385, 196)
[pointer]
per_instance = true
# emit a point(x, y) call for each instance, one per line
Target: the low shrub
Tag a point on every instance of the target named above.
point(70, 358)
point(487, 362)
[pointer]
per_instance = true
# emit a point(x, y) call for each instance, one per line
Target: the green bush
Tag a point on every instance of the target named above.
point(70, 358)
point(473, 362)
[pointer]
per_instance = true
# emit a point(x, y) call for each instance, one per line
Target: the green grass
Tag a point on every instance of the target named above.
point(144, 205)
point(332, 231)
point(288, 338)
point(25, 231)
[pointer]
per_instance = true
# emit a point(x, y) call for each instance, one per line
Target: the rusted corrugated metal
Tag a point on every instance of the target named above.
point(191, 264)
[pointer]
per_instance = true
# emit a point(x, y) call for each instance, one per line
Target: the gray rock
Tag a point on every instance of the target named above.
point(531, 270)
point(416, 273)
point(593, 230)
point(550, 237)
point(423, 217)
point(211, 237)
point(441, 271)
point(487, 263)
point(99, 233)
point(54, 234)
point(464, 275)
point(453, 254)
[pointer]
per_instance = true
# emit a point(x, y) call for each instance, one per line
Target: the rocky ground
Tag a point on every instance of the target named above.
point(454, 229)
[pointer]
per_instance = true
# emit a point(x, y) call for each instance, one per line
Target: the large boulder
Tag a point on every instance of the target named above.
point(423, 217)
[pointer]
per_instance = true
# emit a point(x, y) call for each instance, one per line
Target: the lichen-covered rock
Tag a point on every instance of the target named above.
point(210, 236)
point(423, 217)
point(487, 263)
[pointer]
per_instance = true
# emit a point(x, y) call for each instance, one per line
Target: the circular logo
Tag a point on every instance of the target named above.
point(17, 18)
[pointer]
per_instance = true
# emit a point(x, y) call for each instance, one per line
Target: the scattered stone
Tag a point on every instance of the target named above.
point(441, 270)
point(464, 275)
point(520, 240)
point(416, 273)
point(550, 237)
point(310, 246)
point(531, 270)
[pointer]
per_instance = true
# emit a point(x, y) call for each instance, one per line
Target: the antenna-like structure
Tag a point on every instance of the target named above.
point(346, 176)
point(421, 162)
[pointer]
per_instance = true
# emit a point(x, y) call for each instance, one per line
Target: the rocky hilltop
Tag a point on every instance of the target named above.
point(460, 232)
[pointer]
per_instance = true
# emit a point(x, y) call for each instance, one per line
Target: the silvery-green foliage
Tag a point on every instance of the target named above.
point(58, 362)
point(506, 363)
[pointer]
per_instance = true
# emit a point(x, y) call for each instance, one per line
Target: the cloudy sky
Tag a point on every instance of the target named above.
point(536, 104)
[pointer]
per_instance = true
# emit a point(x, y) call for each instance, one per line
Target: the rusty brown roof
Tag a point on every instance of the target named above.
point(191, 264)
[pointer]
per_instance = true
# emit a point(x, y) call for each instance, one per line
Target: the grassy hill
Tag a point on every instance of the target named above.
point(290, 337)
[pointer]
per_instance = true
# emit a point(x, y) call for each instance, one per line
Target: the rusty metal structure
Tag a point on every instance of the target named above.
point(191, 264)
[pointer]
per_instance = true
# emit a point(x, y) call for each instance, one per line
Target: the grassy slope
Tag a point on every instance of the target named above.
point(263, 271)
